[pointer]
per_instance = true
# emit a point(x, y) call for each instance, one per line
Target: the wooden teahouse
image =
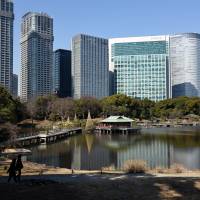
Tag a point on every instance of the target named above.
point(117, 124)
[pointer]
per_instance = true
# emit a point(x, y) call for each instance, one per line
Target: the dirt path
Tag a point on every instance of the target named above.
point(100, 187)
point(40, 182)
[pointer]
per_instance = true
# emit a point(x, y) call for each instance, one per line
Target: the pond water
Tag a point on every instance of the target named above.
point(160, 147)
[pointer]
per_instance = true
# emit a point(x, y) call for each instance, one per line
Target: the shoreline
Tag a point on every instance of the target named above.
point(59, 183)
point(36, 169)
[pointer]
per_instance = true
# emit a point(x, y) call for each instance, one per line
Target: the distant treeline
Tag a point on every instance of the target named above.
point(54, 108)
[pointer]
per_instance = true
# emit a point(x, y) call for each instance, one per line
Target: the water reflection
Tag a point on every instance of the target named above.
point(190, 157)
point(93, 151)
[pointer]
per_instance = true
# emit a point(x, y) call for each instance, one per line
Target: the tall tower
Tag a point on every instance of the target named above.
point(90, 75)
point(15, 85)
point(6, 43)
point(185, 62)
point(62, 73)
point(36, 55)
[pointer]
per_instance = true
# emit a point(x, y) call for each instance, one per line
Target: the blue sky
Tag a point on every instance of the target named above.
point(109, 18)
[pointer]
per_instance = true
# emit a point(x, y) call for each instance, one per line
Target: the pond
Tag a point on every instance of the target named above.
point(160, 147)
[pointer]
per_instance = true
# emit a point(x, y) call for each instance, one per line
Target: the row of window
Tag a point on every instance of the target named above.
point(6, 6)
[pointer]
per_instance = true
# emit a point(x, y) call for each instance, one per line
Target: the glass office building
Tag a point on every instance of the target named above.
point(185, 62)
point(90, 75)
point(62, 73)
point(141, 67)
point(15, 85)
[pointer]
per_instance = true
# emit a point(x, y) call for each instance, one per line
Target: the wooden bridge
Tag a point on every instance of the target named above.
point(48, 138)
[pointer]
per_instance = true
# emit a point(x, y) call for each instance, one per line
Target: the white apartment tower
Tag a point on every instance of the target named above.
point(6, 43)
point(36, 55)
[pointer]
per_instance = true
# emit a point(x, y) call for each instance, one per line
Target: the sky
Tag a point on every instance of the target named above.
point(109, 18)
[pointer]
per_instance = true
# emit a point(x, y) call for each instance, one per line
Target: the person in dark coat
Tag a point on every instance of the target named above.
point(12, 170)
point(19, 167)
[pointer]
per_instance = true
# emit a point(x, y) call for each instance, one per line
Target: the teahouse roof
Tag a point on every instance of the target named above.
point(113, 119)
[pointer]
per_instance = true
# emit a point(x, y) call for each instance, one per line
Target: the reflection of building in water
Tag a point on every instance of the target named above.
point(91, 156)
point(190, 157)
point(156, 153)
point(94, 152)
point(45, 157)
point(74, 154)
point(98, 157)
point(58, 154)
point(65, 159)
point(76, 161)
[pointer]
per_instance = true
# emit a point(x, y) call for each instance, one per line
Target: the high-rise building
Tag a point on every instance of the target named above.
point(111, 83)
point(15, 85)
point(90, 74)
point(6, 43)
point(62, 73)
point(185, 63)
point(141, 66)
point(36, 55)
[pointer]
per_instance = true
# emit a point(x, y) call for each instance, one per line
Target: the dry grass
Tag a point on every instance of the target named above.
point(108, 168)
point(160, 170)
point(33, 169)
point(131, 166)
point(174, 169)
point(178, 168)
point(135, 166)
point(167, 192)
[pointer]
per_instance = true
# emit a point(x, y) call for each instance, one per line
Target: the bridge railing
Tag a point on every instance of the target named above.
point(50, 132)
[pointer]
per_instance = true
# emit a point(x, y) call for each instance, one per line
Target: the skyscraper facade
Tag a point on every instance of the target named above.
point(15, 85)
point(141, 66)
point(62, 73)
point(6, 43)
point(111, 83)
point(90, 74)
point(185, 64)
point(36, 55)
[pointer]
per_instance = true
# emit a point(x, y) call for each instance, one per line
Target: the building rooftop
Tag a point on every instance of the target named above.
point(36, 13)
point(79, 35)
point(113, 119)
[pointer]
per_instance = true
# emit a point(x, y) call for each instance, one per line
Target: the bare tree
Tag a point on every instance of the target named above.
point(31, 108)
point(63, 108)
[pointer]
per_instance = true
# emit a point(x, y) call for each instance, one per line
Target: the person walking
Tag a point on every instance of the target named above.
point(12, 170)
point(19, 167)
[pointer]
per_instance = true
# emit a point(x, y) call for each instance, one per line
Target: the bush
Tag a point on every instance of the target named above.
point(177, 168)
point(135, 166)
point(11, 110)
